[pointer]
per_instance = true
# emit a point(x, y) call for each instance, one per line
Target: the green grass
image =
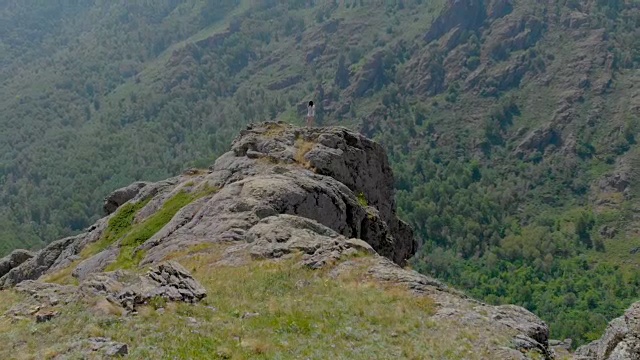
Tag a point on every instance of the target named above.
point(301, 314)
point(362, 200)
point(139, 233)
point(118, 226)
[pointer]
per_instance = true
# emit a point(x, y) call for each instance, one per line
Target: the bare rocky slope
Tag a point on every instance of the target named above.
point(621, 340)
point(324, 192)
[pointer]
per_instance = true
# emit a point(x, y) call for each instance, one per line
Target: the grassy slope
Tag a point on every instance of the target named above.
point(301, 314)
point(189, 121)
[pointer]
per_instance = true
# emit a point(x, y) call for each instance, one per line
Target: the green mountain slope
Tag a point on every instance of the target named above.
point(511, 124)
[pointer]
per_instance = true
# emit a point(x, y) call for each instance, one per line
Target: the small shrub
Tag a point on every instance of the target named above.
point(362, 200)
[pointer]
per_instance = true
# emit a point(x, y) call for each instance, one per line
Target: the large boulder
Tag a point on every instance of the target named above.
point(13, 260)
point(121, 196)
point(37, 265)
point(333, 176)
point(54, 257)
point(621, 339)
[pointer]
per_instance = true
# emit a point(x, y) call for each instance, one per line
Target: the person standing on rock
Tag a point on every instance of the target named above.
point(311, 114)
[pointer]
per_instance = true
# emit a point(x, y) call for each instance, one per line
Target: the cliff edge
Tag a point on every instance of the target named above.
point(320, 200)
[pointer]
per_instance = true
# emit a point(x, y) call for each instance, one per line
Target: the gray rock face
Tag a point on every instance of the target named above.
point(108, 347)
point(274, 168)
point(121, 196)
point(167, 280)
point(34, 267)
point(534, 333)
point(326, 193)
point(621, 339)
point(95, 348)
point(13, 260)
point(538, 140)
point(47, 294)
point(280, 235)
point(54, 257)
point(95, 263)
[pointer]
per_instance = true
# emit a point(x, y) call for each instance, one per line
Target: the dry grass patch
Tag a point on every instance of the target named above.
point(274, 130)
point(303, 147)
point(262, 310)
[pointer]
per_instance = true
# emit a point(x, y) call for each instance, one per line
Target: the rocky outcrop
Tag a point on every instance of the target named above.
point(617, 182)
point(465, 14)
point(612, 188)
point(621, 340)
point(168, 280)
point(371, 72)
point(276, 236)
point(13, 260)
point(121, 196)
point(326, 195)
point(54, 257)
point(333, 176)
point(37, 265)
point(538, 140)
point(96, 347)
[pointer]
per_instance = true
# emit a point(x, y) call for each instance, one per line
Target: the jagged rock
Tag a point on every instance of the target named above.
point(621, 339)
point(94, 348)
point(121, 196)
point(385, 270)
point(56, 256)
point(274, 168)
point(47, 294)
point(36, 265)
point(365, 79)
point(45, 316)
point(466, 14)
point(608, 232)
point(538, 140)
point(95, 263)
point(107, 347)
point(524, 321)
point(618, 182)
point(71, 252)
point(13, 260)
point(105, 284)
point(167, 280)
point(277, 236)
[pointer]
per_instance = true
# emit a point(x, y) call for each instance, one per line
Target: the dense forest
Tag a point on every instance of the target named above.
point(511, 125)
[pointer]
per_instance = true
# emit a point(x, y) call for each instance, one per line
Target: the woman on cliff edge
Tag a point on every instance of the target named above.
point(311, 114)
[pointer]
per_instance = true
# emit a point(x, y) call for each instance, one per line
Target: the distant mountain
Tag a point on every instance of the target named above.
point(511, 125)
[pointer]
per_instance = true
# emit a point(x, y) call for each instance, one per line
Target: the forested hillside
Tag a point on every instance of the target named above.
point(511, 124)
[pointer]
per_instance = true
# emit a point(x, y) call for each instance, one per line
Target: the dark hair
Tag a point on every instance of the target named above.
point(310, 103)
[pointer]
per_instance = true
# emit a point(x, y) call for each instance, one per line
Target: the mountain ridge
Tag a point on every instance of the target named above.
point(271, 198)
